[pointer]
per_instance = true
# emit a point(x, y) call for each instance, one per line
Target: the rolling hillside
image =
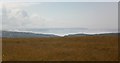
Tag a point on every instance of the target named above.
point(9, 34)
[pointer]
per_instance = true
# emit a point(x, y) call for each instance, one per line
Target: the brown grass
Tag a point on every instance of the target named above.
point(90, 48)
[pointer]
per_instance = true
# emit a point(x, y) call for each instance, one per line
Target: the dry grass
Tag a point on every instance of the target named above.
point(90, 48)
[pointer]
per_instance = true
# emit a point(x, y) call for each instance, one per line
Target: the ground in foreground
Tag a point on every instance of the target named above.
point(87, 48)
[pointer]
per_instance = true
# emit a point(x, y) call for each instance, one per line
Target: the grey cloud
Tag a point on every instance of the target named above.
point(19, 19)
point(13, 21)
point(22, 13)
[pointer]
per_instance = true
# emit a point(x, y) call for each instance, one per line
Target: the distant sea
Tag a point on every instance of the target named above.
point(66, 31)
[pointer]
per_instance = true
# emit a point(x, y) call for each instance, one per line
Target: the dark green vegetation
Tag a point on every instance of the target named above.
point(84, 48)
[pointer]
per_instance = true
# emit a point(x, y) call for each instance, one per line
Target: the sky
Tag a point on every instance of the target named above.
point(60, 0)
point(91, 15)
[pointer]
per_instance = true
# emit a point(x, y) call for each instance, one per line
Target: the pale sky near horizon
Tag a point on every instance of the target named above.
point(91, 15)
point(60, 0)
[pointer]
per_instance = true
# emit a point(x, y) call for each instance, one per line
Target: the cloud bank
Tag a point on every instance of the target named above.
point(14, 17)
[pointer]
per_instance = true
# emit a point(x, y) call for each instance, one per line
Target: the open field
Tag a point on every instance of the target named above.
point(87, 48)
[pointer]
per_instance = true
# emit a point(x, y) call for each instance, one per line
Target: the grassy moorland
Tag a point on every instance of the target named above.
point(86, 48)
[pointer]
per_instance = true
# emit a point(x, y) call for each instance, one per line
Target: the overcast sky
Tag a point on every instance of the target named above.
point(91, 15)
point(60, 0)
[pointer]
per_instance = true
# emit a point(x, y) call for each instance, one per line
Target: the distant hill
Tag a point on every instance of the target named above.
point(104, 34)
point(77, 35)
point(107, 34)
point(11, 34)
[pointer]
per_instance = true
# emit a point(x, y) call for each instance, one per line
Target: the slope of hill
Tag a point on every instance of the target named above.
point(104, 34)
point(11, 34)
point(108, 34)
point(76, 35)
